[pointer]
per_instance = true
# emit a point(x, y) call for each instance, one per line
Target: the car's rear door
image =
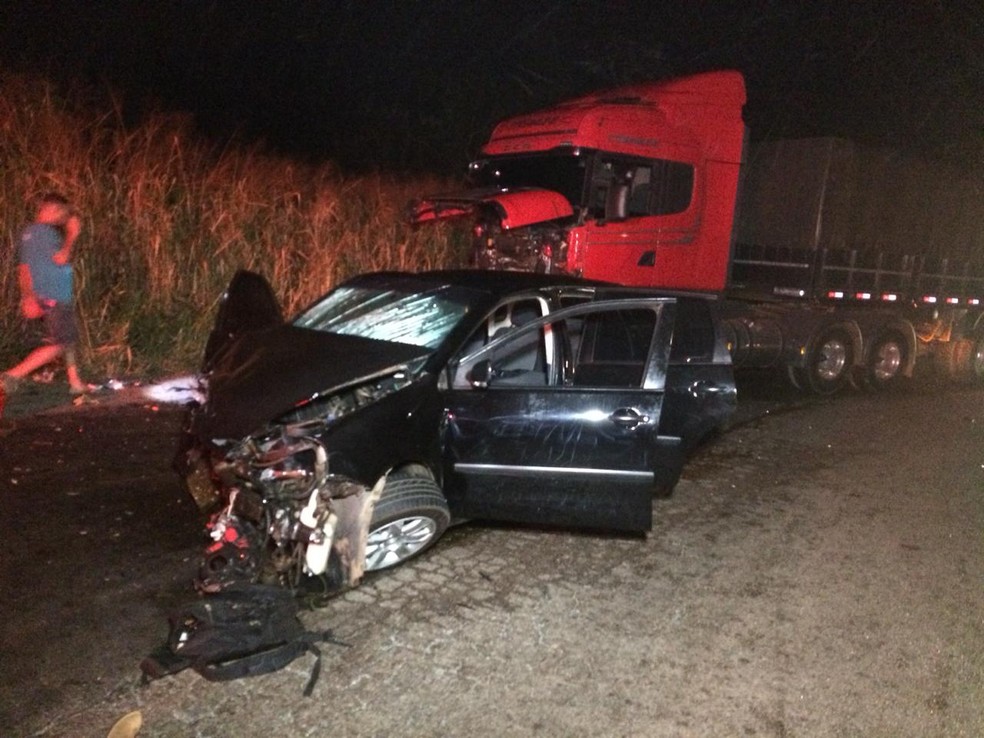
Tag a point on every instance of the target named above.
point(700, 384)
point(556, 423)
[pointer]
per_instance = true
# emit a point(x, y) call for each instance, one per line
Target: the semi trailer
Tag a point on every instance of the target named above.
point(835, 262)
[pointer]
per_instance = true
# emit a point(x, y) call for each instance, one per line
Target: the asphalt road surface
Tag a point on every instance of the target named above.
point(818, 572)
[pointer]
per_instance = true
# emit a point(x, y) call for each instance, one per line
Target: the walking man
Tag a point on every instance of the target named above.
point(44, 274)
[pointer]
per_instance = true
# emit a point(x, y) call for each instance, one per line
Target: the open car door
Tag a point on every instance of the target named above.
point(557, 422)
point(248, 304)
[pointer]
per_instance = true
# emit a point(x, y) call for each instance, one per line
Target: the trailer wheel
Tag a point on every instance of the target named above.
point(977, 360)
point(829, 365)
point(886, 360)
point(961, 360)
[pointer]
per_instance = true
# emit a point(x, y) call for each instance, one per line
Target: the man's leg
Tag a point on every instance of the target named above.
point(35, 360)
point(75, 383)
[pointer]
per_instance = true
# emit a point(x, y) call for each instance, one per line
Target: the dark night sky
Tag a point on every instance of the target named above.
point(387, 83)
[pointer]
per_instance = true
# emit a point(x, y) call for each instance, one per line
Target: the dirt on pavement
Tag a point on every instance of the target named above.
point(818, 572)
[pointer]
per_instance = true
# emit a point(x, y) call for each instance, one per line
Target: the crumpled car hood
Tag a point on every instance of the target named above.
point(263, 374)
point(514, 208)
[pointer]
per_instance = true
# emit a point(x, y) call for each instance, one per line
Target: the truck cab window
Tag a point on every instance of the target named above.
point(640, 191)
point(661, 187)
point(624, 189)
point(672, 188)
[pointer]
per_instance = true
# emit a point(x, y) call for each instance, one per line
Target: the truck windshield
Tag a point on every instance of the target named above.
point(563, 173)
point(416, 318)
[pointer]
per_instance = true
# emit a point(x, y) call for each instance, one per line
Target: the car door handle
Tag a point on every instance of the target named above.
point(703, 388)
point(628, 417)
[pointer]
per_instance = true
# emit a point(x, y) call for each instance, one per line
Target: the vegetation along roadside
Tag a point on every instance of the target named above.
point(169, 216)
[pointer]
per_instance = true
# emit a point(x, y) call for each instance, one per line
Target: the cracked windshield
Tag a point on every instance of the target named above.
point(417, 319)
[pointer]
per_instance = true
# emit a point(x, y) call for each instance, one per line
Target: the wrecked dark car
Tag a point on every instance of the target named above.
point(347, 439)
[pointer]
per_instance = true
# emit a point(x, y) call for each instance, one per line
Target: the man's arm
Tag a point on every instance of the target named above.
point(30, 307)
point(73, 226)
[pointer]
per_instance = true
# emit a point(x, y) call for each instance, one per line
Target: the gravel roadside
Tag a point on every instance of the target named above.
point(818, 572)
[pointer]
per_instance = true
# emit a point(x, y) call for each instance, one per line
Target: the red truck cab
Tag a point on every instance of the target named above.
point(840, 262)
point(622, 185)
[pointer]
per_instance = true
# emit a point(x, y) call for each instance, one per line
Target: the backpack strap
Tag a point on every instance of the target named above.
point(162, 662)
point(309, 638)
point(271, 659)
point(260, 662)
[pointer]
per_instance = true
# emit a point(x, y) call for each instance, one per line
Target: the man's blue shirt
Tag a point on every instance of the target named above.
point(39, 243)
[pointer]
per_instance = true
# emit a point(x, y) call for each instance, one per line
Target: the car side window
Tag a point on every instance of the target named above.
point(611, 348)
point(693, 333)
point(525, 360)
point(596, 349)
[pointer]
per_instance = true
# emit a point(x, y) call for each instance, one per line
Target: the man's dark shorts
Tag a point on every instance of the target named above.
point(60, 325)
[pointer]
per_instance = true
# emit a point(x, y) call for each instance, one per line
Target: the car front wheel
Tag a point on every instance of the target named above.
point(409, 517)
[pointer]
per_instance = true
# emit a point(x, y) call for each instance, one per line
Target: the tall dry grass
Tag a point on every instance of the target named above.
point(168, 217)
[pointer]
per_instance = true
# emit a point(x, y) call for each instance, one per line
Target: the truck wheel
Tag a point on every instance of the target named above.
point(883, 369)
point(409, 517)
point(977, 361)
point(830, 362)
point(957, 359)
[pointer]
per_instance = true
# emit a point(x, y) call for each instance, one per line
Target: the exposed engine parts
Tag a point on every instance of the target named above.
point(541, 249)
point(279, 521)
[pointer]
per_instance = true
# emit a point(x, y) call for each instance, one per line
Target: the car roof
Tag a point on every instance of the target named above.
point(499, 284)
point(494, 283)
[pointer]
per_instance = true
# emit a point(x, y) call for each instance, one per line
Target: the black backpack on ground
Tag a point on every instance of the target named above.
point(241, 631)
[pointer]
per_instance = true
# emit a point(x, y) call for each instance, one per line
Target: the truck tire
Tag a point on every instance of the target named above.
point(409, 517)
point(828, 366)
point(886, 362)
point(956, 359)
point(977, 361)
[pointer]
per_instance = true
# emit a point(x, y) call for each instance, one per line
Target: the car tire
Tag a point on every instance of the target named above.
point(409, 517)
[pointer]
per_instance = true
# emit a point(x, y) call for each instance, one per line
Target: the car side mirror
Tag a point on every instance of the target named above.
point(481, 374)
